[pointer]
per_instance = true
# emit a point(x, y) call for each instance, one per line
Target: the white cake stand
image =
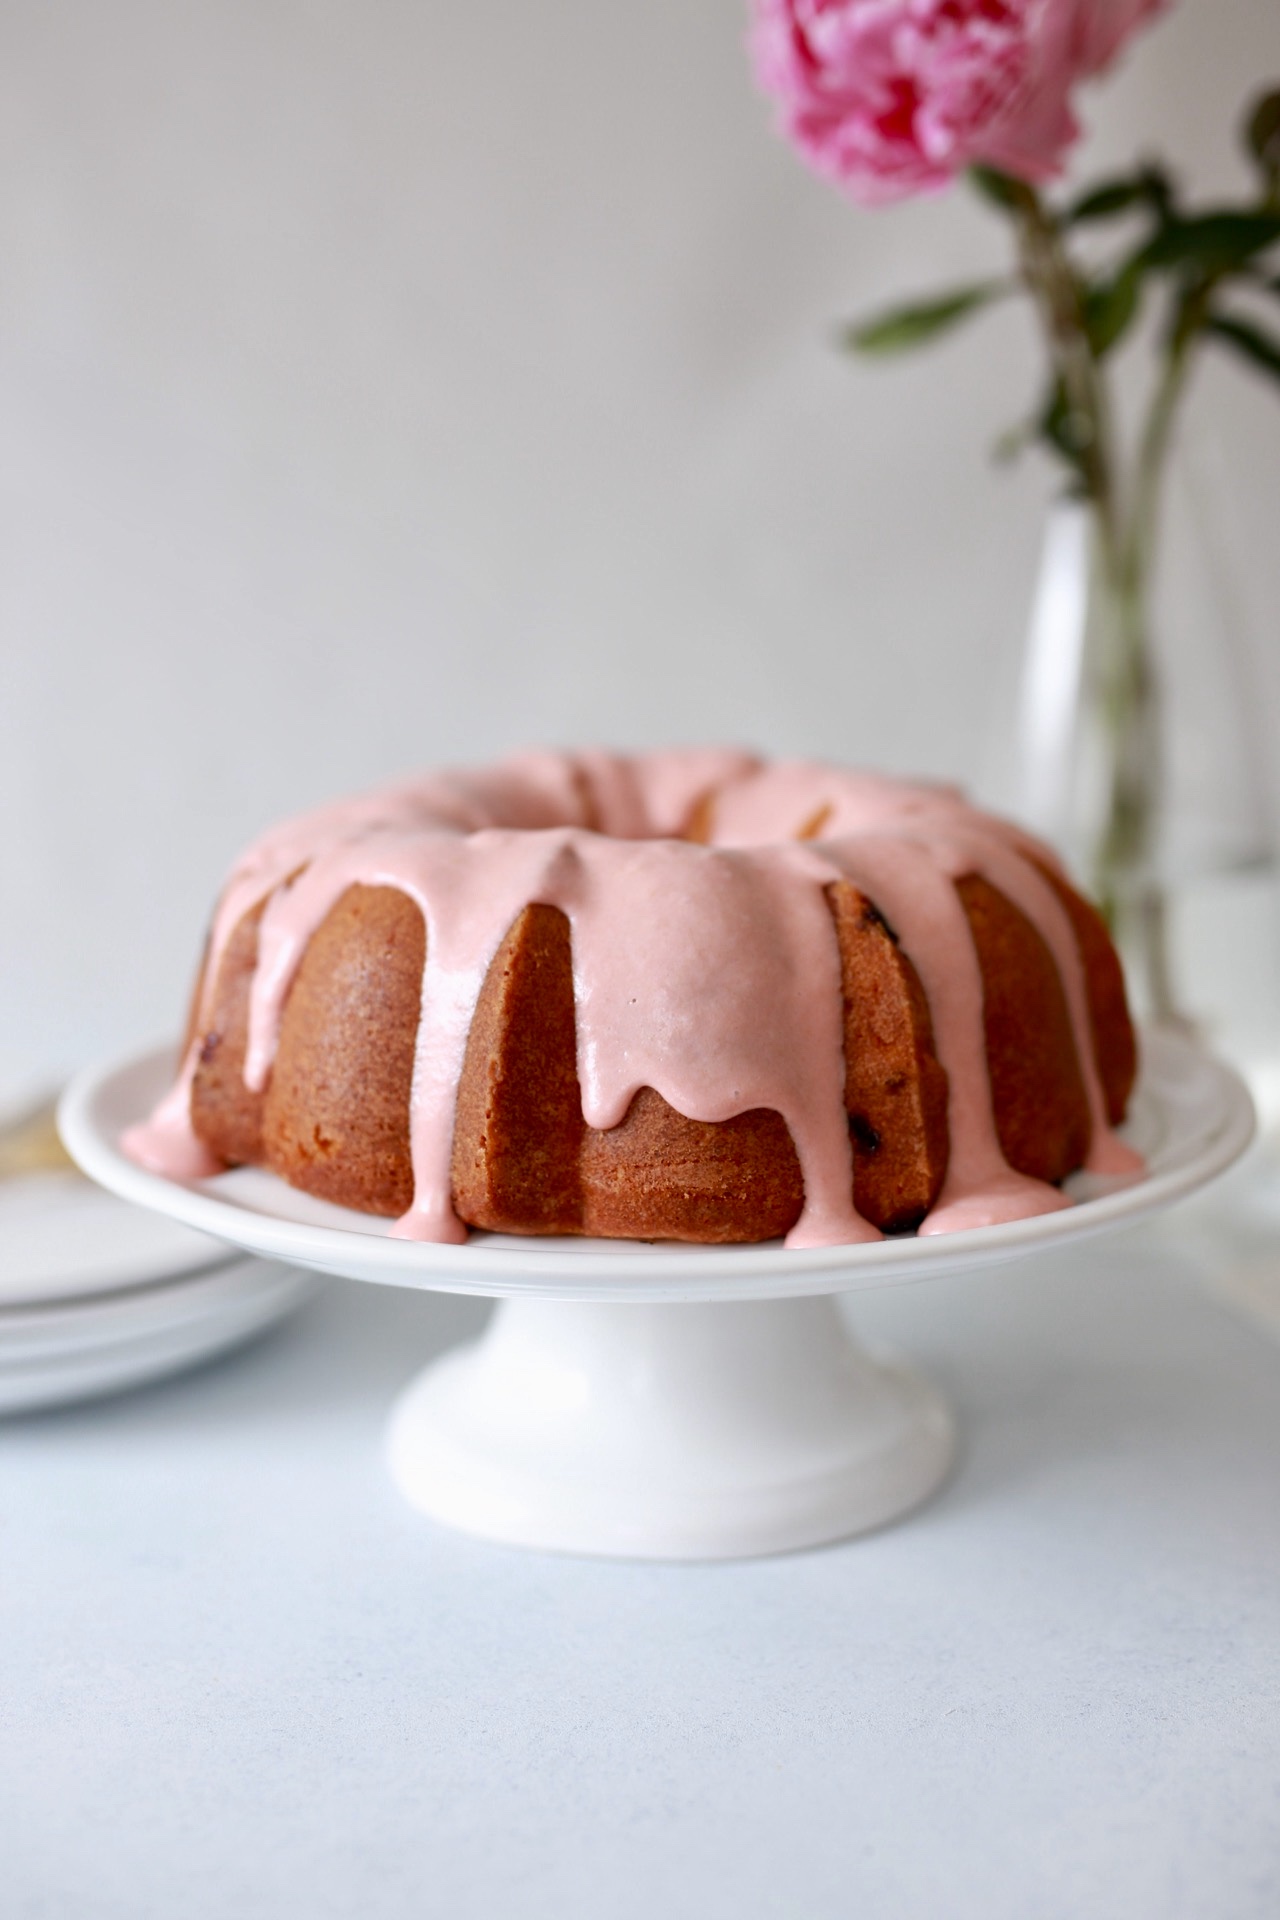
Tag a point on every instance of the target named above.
point(663, 1401)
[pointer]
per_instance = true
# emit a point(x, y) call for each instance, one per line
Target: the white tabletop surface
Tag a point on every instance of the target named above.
point(240, 1678)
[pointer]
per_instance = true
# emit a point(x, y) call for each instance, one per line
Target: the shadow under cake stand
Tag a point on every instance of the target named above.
point(664, 1401)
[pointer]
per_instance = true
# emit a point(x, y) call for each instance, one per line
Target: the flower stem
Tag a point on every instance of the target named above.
point(1157, 433)
point(1124, 875)
point(1051, 281)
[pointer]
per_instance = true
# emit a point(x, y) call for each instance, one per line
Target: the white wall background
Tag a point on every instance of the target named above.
point(386, 381)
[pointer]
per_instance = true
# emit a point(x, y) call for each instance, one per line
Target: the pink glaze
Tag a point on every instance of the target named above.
point(677, 949)
point(166, 1143)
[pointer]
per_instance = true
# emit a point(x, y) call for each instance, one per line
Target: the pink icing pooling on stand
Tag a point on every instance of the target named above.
point(724, 991)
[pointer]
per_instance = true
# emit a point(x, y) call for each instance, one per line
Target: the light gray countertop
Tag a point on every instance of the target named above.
point(239, 1677)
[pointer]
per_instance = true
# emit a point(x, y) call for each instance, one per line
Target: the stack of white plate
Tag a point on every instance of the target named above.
point(96, 1295)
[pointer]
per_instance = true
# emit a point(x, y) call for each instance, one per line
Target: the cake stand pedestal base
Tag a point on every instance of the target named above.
point(668, 1431)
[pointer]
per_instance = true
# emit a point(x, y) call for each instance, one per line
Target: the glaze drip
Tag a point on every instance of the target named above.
point(723, 992)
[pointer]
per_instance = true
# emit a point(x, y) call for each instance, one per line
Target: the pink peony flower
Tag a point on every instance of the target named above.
point(892, 97)
point(1103, 26)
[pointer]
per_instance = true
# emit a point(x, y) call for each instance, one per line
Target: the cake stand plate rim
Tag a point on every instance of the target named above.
point(1202, 1106)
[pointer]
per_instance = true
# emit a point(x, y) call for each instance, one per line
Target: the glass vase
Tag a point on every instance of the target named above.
point(1142, 753)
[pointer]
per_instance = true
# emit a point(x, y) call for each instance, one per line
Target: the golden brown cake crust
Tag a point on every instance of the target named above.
point(336, 1118)
point(225, 1114)
point(518, 1131)
point(895, 1091)
point(1037, 1092)
point(1114, 1041)
point(525, 1162)
point(660, 1176)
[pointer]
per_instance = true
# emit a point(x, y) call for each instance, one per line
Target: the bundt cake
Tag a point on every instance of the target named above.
point(685, 996)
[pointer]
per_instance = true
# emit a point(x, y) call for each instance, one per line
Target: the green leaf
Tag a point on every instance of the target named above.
point(1157, 187)
point(1111, 306)
point(1104, 202)
point(1214, 242)
point(914, 325)
point(1148, 187)
point(1000, 188)
point(1262, 132)
point(1250, 342)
